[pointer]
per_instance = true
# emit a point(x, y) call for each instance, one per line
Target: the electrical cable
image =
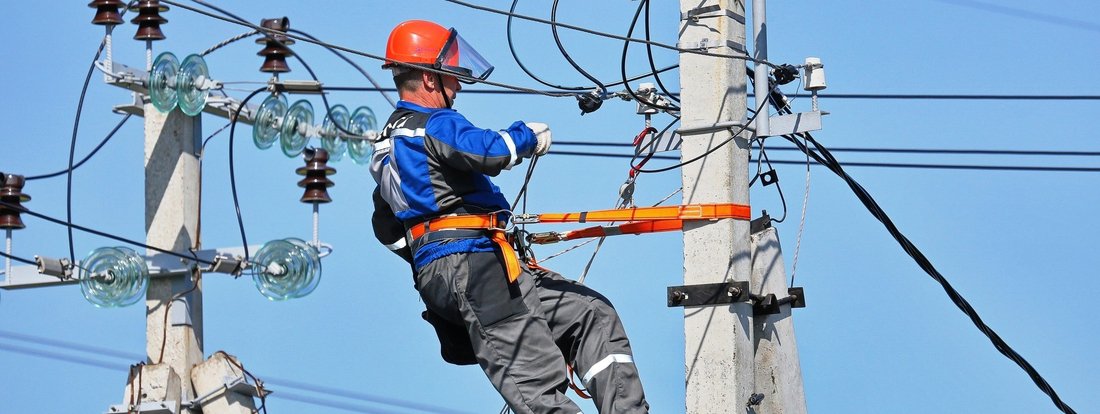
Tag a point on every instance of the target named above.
point(883, 150)
point(823, 156)
point(72, 147)
point(86, 157)
point(496, 91)
point(653, 66)
point(602, 34)
point(123, 356)
point(356, 66)
point(564, 53)
point(365, 54)
point(759, 110)
point(324, 98)
point(515, 56)
point(19, 259)
point(873, 164)
point(778, 188)
point(232, 169)
point(227, 42)
point(23, 209)
point(622, 65)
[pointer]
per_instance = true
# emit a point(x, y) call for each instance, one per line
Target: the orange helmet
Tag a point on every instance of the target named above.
point(423, 43)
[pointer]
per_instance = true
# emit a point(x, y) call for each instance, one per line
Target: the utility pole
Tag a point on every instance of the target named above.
point(172, 184)
point(719, 338)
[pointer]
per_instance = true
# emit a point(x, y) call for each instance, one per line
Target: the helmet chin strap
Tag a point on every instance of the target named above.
point(442, 90)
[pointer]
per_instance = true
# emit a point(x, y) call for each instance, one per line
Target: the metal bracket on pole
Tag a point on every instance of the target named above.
point(164, 407)
point(794, 123)
point(707, 44)
point(707, 294)
point(711, 11)
point(770, 305)
point(160, 265)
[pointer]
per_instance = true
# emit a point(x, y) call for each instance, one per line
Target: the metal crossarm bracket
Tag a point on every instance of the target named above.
point(707, 294)
point(770, 305)
point(160, 265)
point(165, 407)
point(708, 43)
point(710, 12)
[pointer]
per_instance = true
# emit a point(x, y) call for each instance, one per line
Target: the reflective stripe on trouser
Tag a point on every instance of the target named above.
point(589, 331)
point(507, 328)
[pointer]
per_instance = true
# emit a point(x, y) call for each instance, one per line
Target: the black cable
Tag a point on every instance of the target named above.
point(759, 110)
point(601, 34)
point(515, 56)
point(324, 98)
point(72, 149)
point(232, 172)
point(526, 180)
point(19, 259)
point(882, 150)
point(354, 65)
point(23, 209)
point(86, 157)
point(778, 188)
point(649, 53)
point(564, 53)
point(871, 164)
point(365, 54)
point(622, 64)
point(926, 265)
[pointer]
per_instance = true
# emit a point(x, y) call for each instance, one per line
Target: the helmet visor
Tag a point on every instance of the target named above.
point(462, 59)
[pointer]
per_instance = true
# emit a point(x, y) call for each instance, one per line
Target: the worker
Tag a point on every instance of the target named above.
point(436, 207)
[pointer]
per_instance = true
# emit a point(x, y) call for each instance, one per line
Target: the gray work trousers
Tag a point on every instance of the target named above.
point(524, 333)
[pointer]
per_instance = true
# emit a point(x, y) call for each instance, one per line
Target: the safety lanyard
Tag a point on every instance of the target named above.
point(639, 220)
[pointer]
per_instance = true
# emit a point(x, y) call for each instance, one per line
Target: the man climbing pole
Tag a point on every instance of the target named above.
point(437, 208)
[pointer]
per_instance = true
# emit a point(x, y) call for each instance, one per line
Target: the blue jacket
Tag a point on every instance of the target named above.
point(430, 162)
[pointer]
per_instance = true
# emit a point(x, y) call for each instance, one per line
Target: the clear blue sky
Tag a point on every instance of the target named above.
point(878, 334)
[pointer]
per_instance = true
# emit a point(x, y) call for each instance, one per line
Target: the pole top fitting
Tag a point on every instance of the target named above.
point(316, 172)
point(106, 12)
point(11, 192)
point(149, 20)
point(275, 43)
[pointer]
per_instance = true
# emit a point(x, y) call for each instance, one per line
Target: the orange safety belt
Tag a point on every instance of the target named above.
point(487, 222)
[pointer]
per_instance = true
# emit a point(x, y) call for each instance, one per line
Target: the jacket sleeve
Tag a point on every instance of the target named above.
point(388, 229)
point(454, 141)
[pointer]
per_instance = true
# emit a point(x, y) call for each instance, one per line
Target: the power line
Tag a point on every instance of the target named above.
point(825, 158)
point(870, 96)
point(872, 164)
point(86, 157)
point(22, 209)
point(1026, 14)
point(336, 392)
point(361, 53)
point(883, 150)
point(604, 34)
point(19, 259)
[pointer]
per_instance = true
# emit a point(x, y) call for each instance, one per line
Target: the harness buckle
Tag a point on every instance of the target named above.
point(525, 218)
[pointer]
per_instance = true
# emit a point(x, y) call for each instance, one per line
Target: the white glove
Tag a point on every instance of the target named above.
point(542, 137)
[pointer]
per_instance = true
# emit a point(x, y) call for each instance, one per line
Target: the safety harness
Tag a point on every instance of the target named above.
point(489, 223)
point(639, 220)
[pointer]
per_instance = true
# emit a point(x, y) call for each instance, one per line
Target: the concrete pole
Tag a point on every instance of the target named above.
point(778, 372)
point(718, 347)
point(172, 177)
